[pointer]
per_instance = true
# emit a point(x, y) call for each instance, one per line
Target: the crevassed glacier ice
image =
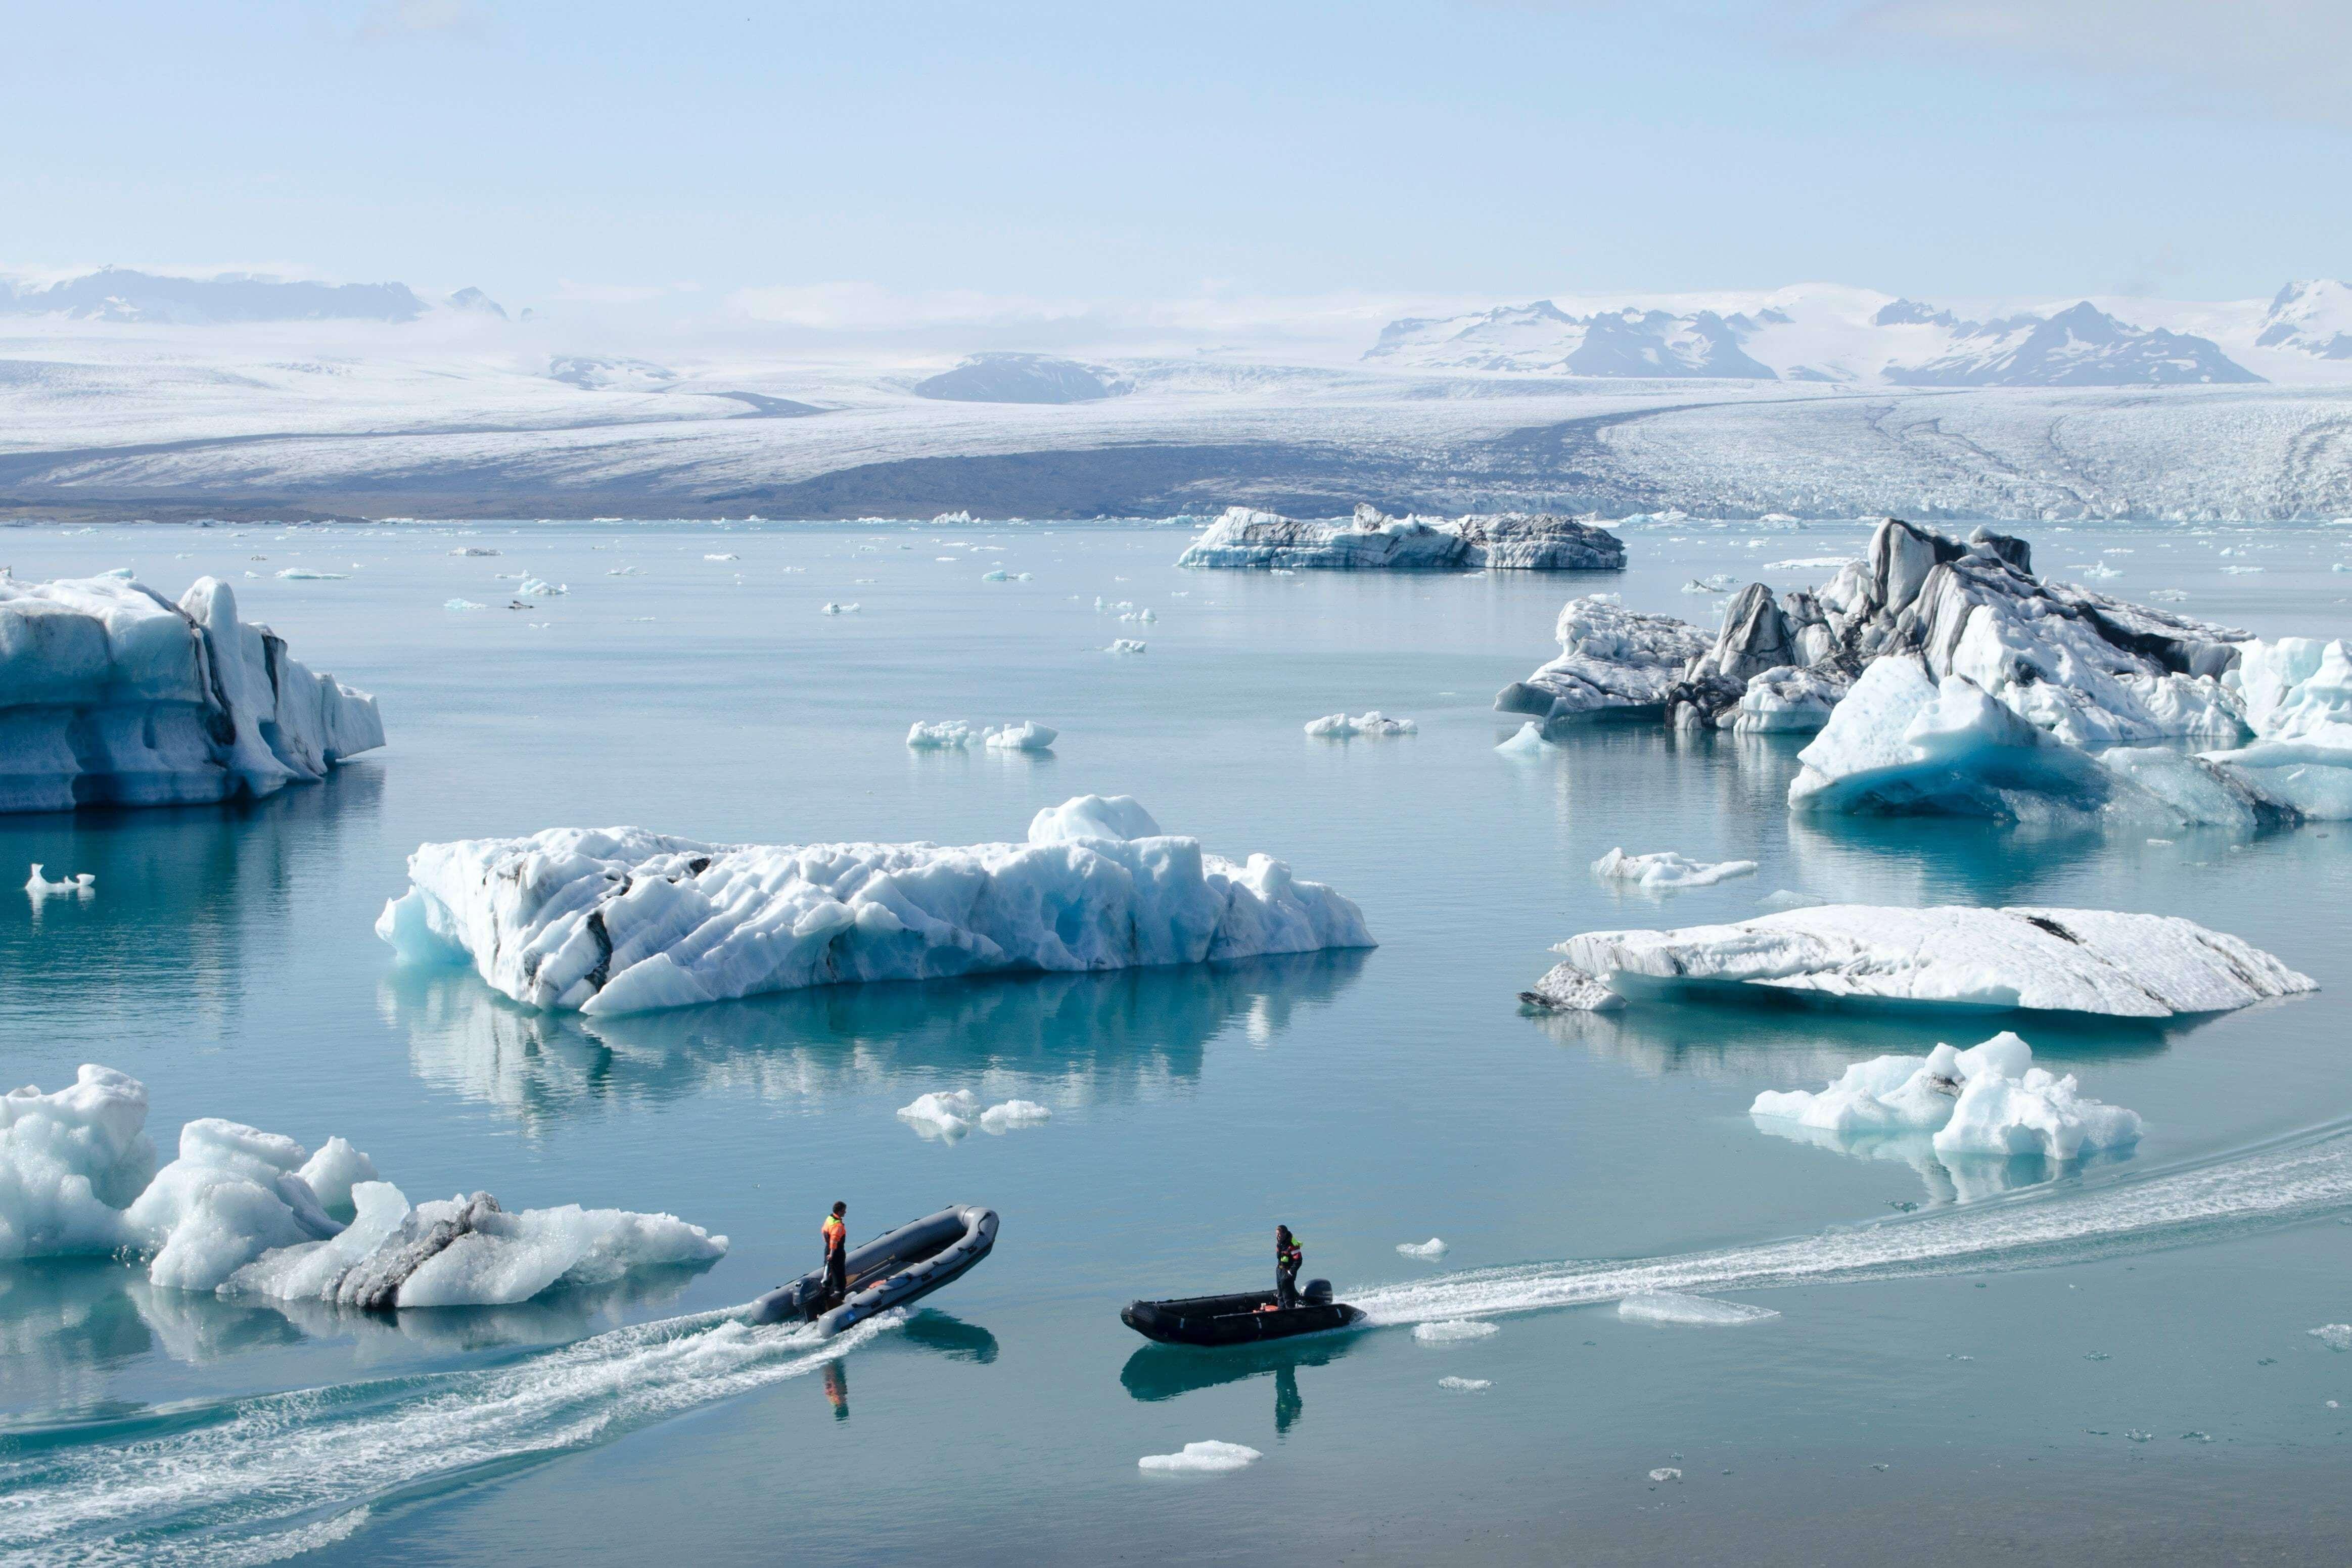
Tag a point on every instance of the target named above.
point(1369, 539)
point(2072, 961)
point(238, 1212)
point(1666, 869)
point(110, 694)
point(623, 919)
point(1990, 1099)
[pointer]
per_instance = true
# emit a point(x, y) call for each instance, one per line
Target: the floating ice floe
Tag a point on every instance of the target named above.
point(1452, 1331)
point(2334, 1336)
point(1721, 583)
point(242, 1211)
point(1666, 868)
point(1341, 727)
point(1465, 1385)
point(1526, 741)
point(470, 549)
point(1666, 1473)
point(112, 695)
point(462, 605)
point(623, 919)
point(1990, 1099)
point(304, 575)
point(1698, 1311)
point(725, 556)
point(83, 883)
point(948, 735)
point(1433, 1247)
point(1124, 645)
point(1789, 899)
point(836, 608)
point(950, 1114)
point(1611, 659)
point(996, 574)
point(539, 588)
point(1026, 736)
point(1208, 1458)
point(2072, 961)
point(1371, 540)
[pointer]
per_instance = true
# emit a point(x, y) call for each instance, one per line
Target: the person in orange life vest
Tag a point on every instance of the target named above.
point(837, 1251)
point(1287, 1257)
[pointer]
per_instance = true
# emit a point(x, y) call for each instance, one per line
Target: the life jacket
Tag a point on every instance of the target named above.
point(1290, 1254)
point(834, 1232)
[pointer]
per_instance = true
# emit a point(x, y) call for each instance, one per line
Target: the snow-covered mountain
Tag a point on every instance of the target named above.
point(125, 294)
point(1823, 333)
point(2313, 317)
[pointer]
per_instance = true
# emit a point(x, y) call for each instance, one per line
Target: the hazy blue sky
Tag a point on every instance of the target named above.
point(918, 158)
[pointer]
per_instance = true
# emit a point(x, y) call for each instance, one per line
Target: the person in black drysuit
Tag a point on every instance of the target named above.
point(835, 1232)
point(1287, 1256)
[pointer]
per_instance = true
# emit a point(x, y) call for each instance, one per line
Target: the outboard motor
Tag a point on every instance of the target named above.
point(1318, 1293)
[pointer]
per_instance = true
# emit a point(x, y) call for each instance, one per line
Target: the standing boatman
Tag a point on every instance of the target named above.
point(1287, 1256)
point(835, 1232)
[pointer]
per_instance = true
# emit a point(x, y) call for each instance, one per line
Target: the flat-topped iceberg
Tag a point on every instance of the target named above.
point(1666, 869)
point(1990, 1099)
point(242, 1211)
point(1372, 541)
point(623, 919)
point(2069, 960)
point(1348, 727)
point(110, 694)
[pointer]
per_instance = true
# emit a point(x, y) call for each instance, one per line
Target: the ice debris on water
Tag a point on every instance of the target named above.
point(2072, 961)
point(539, 588)
point(1665, 1473)
point(1988, 1099)
point(2334, 1336)
point(728, 555)
point(1026, 736)
point(836, 609)
point(1124, 645)
point(950, 735)
point(1465, 1385)
point(1720, 583)
point(1341, 727)
point(623, 920)
point(1666, 868)
point(1789, 899)
point(40, 887)
point(463, 604)
point(1433, 1247)
point(470, 549)
point(304, 575)
point(949, 1115)
point(1674, 1307)
point(244, 1211)
point(1208, 1458)
point(1452, 1331)
point(995, 575)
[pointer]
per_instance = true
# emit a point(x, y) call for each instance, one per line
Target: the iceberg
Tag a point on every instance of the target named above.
point(2067, 960)
point(1026, 736)
point(1209, 1458)
point(950, 735)
point(1529, 542)
point(1990, 1099)
point(623, 920)
point(110, 694)
point(1431, 1249)
point(242, 1211)
point(950, 1114)
point(1666, 868)
point(1341, 727)
point(1611, 660)
point(1124, 645)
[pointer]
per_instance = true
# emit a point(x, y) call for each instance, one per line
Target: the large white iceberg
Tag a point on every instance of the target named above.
point(2069, 960)
point(110, 694)
point(1990, 1099)
point(1611, 659)
point(623, 919)
point(244, 1210)
point(1369, 539)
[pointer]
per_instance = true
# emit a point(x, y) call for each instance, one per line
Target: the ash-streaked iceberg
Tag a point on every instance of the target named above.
point(1612, 661)
point(1990, 1099)
point(623, 920)
point(1372, 541)
point(2068, 961)
point(242, 1211)
point(112, 695)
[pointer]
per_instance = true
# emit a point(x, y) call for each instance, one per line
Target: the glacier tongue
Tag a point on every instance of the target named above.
point(110, 694)
point(2072, 961)
point(623, 919)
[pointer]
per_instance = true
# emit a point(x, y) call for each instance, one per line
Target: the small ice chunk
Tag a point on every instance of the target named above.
point(1666, 868)
point(1433, 1247)
point(463, 604)
point(1673, 1307)
point(1014, 1114)
point(946, 1115)
point(1720, 583)
point(1527, 741)
point(1452, 1331)
point(40, 887)
point(833, 609)
point(2334, 1336)
point(1209, 1458)
point(1665, 1473)
point(725, 556)
point(1790, 898)
point(1026, 736)
point(539, 588)
point(997, 574)
point(1085, 816)
point(304, 575)
point(947, 735)
point(1124, 645)
point(1465, 1385)
point(1988, 1099)
point(1341, 727)
point(470, 549)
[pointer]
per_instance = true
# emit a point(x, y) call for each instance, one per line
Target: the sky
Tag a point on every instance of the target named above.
point(896, 165)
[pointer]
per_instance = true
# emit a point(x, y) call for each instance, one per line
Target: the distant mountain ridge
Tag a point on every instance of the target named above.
point(1827, 333)
point(128, 294)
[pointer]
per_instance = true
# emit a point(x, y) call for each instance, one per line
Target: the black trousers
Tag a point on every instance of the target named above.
point(1286, 1287)
point(837, 1273)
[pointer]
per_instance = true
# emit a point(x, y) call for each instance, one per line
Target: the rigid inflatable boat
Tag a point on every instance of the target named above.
point(1242, 1319)
point(902, 1266)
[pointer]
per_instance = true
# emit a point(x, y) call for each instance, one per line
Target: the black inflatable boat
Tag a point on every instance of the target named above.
point(1245, 1320)
point(891, 1271)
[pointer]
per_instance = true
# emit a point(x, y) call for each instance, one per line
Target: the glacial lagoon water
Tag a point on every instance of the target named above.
point(2113, 1361)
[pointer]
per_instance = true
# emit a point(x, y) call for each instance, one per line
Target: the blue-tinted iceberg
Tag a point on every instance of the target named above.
point(242, 1211)
point(623, 919)
point(1990, 1099)
point(2070, 961)
point(111, 694)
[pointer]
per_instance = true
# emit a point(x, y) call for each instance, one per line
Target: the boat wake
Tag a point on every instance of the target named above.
point(2294, 1179)
point(255, 1479)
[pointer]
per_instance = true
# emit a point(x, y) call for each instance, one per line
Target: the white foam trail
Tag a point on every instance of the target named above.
point(279, 1474)
point(2275, 1185)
